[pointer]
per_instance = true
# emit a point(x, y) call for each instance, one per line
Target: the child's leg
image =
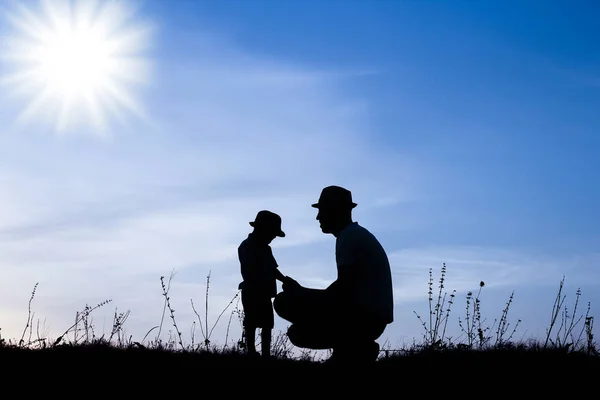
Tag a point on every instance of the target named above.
point(250, 339)
point(265, 338)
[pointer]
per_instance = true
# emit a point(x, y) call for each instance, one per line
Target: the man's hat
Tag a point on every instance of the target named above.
point(269, 221)
point(335, 196)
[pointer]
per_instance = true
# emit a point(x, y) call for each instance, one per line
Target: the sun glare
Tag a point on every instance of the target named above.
point(76, 62)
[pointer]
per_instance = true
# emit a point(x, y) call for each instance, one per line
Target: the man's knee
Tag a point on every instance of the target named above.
point(278, 303)
point(378, 330)
point(310, 337)
point(281, 305)
point(294, 335)
point(302, 337)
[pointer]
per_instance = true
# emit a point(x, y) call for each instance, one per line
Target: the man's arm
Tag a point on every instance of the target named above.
point(343, 288)
point(348, 250)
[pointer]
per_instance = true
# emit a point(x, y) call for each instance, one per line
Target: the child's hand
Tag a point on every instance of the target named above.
point(290, 284)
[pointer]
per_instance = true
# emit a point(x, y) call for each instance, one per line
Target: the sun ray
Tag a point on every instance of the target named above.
point(110, 105)
point(121, 97)
point(27, 23)
point(18, 79)
point(114, 101)
point(34, 106)
point(96, 112)
point(66, 107)
point(81, 59)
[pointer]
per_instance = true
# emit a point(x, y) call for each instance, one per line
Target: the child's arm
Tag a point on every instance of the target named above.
point(279, 276)
point(288, 283)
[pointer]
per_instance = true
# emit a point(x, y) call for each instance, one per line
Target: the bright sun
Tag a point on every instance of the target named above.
point(76, 61)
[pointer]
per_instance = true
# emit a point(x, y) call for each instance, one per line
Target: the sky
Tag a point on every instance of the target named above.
point(466, 131)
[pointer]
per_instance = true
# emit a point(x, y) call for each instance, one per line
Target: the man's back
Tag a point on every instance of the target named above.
point(364, 269)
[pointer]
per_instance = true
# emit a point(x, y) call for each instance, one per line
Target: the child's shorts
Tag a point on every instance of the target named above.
point(258, 311)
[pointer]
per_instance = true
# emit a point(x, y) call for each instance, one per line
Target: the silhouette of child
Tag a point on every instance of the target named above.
point(259, 273)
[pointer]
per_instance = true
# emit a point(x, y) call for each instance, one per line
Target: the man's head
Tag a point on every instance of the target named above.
point(267, 226)
point(335, 209)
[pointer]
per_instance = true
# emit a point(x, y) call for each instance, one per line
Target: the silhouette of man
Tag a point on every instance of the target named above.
point(353, 311)
point(259, 273)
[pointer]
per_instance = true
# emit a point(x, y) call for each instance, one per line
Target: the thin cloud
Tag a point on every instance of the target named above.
point(467, 266)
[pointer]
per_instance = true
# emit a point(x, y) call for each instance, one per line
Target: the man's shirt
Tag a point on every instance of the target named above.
point(364, 274)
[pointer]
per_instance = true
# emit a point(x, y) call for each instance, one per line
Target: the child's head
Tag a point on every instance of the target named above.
point(267, 225)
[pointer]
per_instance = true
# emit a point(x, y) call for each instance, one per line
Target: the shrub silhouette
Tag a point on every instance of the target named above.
point(568, 335)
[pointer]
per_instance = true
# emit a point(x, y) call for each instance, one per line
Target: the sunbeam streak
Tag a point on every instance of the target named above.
point(75, 62)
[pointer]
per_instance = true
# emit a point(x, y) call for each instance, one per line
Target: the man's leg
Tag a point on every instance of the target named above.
point(302, 305)
point(309, 311)
point(312, 335)
point(356, 343)
point(319, 323)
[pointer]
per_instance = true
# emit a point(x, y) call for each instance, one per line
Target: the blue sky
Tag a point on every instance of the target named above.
point(467, 132)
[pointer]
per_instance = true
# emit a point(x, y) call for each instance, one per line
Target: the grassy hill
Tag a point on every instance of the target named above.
point(568, 358)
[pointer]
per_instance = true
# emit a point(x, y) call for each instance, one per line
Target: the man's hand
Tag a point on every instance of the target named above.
point(290, 284)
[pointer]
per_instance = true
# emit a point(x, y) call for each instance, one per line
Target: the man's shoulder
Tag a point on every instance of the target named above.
point(355, 231)
point(357, 236)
